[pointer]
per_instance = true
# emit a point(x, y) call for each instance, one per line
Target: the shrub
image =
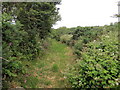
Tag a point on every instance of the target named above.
point(99, 66)
point(86, 40)
point(78, 45)
point(65, 38)
point(12, 37)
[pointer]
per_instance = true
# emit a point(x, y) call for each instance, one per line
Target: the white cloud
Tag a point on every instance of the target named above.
point(87, 12)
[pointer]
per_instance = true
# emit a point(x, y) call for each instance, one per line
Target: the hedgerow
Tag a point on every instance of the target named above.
point(25, 27)
point(99, 65)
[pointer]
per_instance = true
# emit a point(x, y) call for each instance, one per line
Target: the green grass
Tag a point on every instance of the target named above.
point(55, 68)
point(49, 70)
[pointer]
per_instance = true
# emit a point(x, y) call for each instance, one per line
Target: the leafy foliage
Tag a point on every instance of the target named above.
point(99, 65)
point(11, 49)
point(66, 38)
point(25, 27)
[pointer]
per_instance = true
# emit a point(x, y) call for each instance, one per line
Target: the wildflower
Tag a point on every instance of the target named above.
point(10, 44)
point(25, 81)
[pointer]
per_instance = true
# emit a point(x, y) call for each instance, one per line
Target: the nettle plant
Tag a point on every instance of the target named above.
point(99, 67)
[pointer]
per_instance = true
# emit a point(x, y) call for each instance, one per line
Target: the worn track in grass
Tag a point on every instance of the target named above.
point(50, 71)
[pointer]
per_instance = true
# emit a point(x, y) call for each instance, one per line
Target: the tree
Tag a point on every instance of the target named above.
point(23, 39)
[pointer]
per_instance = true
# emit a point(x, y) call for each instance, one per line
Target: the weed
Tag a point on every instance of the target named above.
point(55, 68)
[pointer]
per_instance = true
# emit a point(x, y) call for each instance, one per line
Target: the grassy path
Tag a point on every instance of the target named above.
point(49, 72)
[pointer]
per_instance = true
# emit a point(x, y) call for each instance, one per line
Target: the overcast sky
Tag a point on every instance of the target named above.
point(87, 12)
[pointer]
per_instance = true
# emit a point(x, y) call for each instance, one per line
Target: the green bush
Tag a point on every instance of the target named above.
point(78, 45)
point(86, 40)
point(66, 38)
point(99, 66)
point(12, 37)
point(23, 39)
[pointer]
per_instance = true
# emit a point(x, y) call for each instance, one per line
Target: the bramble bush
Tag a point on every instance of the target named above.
point(99, 66)
point(78, 48)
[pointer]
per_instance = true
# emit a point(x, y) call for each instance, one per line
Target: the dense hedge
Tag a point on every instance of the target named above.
point(98, 66)
point(25, 26)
